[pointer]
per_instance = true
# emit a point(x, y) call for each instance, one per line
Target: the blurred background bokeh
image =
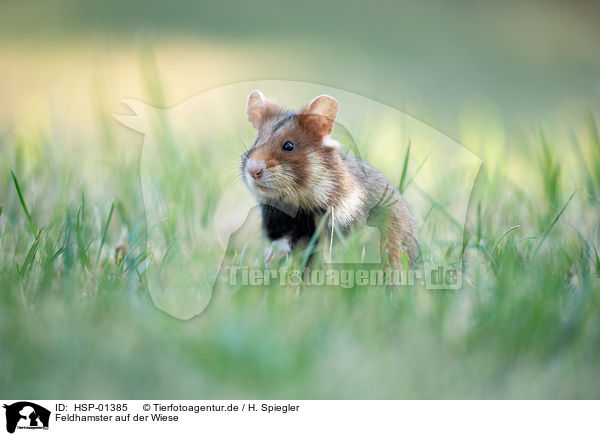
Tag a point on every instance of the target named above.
point(439, 61)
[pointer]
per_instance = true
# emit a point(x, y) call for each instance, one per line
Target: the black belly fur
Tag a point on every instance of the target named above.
point(278, 224)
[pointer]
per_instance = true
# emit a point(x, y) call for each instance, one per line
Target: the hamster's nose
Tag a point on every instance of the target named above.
point(256, 169)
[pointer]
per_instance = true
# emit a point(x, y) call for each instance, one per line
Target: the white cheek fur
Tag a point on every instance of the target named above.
point(328, 141)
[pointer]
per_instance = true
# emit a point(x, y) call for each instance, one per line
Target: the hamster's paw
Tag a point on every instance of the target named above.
point(277, 250)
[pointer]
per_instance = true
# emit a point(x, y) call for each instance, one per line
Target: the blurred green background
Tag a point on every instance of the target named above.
point(515, 82)
point(431, 59)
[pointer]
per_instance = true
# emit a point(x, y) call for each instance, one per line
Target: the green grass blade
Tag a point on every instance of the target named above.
point(313, 241)
point(596, 259)
point(435, 206)
point(526, 238)
point(29, 219)
point(584, 164)
point(506, 232)
point(112, 208)
point(31, 253)
point(416, 173)
point(82, 247)
point(141, 239)
point(404, 169)
point(549, 229)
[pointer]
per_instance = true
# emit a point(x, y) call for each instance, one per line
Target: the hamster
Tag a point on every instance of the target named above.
point(298, 173)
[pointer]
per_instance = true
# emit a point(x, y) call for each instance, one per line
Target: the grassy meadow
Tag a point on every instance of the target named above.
point(76, 316)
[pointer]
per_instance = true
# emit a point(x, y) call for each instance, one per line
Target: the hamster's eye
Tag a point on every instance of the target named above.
point(288, 146)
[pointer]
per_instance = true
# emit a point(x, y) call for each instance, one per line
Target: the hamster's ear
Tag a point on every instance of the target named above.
point(256, 107)
point(319, 115)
